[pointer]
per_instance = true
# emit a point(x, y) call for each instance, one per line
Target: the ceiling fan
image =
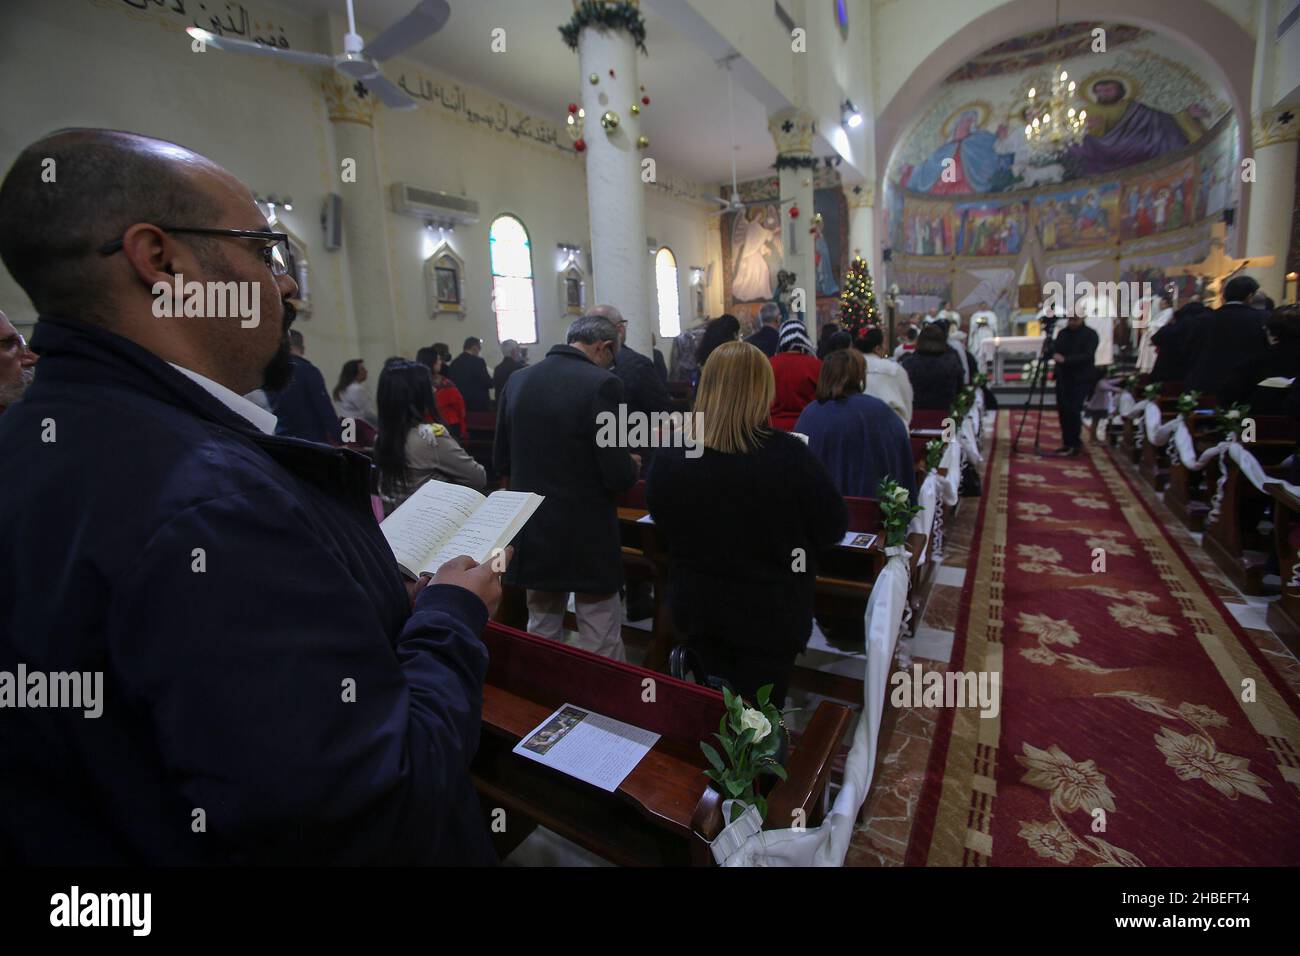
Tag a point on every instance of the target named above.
point(734, 204)
point(356, 62)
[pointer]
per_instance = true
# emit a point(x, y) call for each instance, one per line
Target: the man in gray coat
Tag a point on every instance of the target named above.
point(546, 442)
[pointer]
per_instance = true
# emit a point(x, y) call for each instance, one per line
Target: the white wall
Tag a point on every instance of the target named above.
point(101, 63)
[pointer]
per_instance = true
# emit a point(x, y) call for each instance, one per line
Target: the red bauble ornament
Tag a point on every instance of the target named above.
point(794, 212)
point(580, 144)
point(645, 101)
point(573, 107)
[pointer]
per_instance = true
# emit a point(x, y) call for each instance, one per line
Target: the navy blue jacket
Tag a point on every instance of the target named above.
point(303, 408)
point(224, 687)
point(860, 441)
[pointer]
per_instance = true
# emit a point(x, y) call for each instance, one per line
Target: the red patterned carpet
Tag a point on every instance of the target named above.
point(1139, 725)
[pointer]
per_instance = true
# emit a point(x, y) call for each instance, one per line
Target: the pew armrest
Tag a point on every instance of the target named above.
point(809, 769)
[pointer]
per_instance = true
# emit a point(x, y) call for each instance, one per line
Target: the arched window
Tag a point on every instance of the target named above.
point(512, 280)
point(670, 315)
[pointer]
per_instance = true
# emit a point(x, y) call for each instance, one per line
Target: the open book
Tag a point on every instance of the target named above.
point(440, 521)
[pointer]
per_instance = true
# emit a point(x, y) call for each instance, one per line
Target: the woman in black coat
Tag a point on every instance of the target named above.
point(744, 517)
point(934, 370)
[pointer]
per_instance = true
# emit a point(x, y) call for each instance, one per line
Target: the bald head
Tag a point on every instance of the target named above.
point(614, 316)
point(72, 192)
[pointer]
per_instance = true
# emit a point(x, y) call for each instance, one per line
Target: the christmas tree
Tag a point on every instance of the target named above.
point(858, 300)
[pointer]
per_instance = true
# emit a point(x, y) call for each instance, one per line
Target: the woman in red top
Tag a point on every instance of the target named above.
point(796, 370)
point(446, 396)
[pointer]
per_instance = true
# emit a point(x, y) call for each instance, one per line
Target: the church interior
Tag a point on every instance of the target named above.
point(846, 433)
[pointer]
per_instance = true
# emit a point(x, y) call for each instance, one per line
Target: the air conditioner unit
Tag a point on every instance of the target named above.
point(441, 209)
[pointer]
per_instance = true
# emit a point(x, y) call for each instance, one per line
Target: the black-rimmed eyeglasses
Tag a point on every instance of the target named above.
point(273, 255)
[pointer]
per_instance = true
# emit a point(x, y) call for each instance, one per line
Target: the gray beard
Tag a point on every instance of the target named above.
point(10, 392)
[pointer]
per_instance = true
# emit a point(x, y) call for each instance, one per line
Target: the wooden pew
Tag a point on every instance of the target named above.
point(1284, 613)
point(481, 428)
point(1234, 541)
point(664, 812)
point(1188, 492)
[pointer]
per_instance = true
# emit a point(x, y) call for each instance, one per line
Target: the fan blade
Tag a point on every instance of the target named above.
point(247, 46)
point(725, 202)
point(389, 94)
point(428, 17)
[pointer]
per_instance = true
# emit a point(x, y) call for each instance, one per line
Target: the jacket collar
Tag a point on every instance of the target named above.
point(568, 351)
point(76, 353)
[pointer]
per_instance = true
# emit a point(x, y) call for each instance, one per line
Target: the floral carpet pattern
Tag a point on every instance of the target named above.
point(1139, 725)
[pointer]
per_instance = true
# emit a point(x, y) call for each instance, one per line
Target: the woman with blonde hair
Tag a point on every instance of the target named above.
point(744, 511)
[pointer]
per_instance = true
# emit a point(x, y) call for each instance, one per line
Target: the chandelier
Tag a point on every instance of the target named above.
point(1054, 122)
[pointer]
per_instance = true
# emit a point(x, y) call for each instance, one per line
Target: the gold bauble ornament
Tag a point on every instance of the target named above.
point(642, 142)
point(593, 79)
point(636, 110)
point(609, 121)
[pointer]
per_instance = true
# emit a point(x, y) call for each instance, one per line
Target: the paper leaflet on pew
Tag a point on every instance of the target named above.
point(593, 748)
point(441, 521)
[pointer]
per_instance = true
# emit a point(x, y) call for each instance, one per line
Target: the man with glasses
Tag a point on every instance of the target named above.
point(271, 690)
point(17, 364)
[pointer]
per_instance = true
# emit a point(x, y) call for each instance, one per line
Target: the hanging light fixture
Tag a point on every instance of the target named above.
point(1055, 120)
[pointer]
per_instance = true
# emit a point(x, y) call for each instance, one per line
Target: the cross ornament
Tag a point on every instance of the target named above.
point(1217, 268)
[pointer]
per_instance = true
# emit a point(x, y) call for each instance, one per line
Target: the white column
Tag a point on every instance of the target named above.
point(1274, 131)
point(862, 226)
point(1272, 195)
point(365, 239)
point(792, 129)
point(615, 192)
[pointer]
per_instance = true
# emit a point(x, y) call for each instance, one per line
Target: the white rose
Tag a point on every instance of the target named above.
point(754, 719)
point(1234, 414)
point(899, 495)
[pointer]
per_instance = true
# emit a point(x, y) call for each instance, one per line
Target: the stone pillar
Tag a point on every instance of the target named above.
point(862, 228)
point(792, 129)
point(1275, 135)
point(615, 192)
point(365, 239)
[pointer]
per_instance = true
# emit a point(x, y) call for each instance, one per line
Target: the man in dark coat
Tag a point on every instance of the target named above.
point(303, 408)
point(1228, 337)
point(1076, 374)
point(1172, 341)
point(267, 689)
point(469, 373)
point(549, 441)
point(511, 362)
point(768, 336)
point(643, 390)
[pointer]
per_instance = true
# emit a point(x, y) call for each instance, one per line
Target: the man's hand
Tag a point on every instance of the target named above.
point(483, 580)
point(1058, 358)
point(637, 459)
point(413, 588)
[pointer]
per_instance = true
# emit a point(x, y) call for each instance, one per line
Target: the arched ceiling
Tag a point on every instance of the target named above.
point(1146, 95)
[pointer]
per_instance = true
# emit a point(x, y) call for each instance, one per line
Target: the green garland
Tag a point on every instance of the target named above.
point(934, 450)
point(605, 16)
point(1187, 402)
point(796, 162)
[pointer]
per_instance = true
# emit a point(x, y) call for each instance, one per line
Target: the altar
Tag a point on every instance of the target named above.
point(994, 351)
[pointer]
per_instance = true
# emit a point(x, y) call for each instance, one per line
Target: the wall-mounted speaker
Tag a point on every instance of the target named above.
point(331, 221)
point(1229, 216)
point(887, 254)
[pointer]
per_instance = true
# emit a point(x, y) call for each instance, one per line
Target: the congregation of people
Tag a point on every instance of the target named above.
point(241, 450)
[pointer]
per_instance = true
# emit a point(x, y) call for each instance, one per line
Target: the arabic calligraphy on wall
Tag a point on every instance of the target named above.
point(470, 107)
point(222, 17)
